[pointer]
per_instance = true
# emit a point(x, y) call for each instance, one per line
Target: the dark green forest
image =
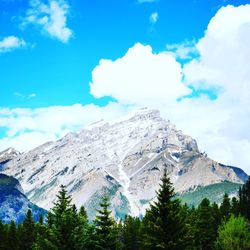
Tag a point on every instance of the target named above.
point(167, 224)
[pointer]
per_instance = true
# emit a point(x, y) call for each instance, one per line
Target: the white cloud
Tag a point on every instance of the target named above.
point(52, 17)
point(139, 77)
point(184, 50)
point(222, 58)
point(23, 96)
point(10, 43)
point(154, 17)
point(28, 128)
point(144, 78)
point(224, 63)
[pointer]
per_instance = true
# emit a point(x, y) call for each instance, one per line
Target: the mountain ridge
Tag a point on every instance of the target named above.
point(125, 159)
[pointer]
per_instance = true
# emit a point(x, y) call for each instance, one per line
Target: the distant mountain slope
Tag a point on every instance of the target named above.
point(125, 160)
point(13, 203)
point(214, 192)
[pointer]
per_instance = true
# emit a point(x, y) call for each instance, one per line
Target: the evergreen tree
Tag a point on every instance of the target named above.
point(234, 234)
point(28, 233)
point(205, 229)
point(217, 217)
point(105, 227)
point(84, 234)
point(244, 200)
point(45, 238)
point(163, 225)
point(131, 233)
point(12, 237)
point(235, 206)
point(3, 236)
point(225, 207)
point(62, 219)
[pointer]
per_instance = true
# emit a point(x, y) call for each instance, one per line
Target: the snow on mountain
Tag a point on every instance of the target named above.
point(124, 160)
point(7, 155)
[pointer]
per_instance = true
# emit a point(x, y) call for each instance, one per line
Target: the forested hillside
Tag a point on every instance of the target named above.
point(167, 224)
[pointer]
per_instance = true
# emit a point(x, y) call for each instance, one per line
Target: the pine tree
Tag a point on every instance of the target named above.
point(3, 236)
point(84, 233)
point(225, 207)
point(105, 227)
point(62, 219)
point(12, 237)
point(131, 233)
point(205, 234)
point(244, 200)
point(163, 225)
point(235, 206)
point(28, 233)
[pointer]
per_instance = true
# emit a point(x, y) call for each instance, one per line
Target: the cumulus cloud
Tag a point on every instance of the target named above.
point(51, 17)
point(221, 62)
point(154, 17)
point(142, 77)
point(139, 77)
point(224, 63)
point(37, 126)
point(10, 43)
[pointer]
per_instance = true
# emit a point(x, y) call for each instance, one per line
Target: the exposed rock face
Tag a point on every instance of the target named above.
point(13, 203)
point(7, 155)
point(124, 160)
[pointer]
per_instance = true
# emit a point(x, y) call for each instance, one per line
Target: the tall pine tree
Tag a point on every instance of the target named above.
point(106, 230)
point(62, 219)
point(163, 225)
point(205, 228)
point(28, 232)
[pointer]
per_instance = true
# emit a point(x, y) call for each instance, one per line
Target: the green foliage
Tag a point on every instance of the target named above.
point(12, 237)
point(105, 227)
point(205, 230)
point(225, 207)
point(28, 232)
point(234, 234)
point(244, 200)
point(166, 225)
point(131, 233)
point(163, 225)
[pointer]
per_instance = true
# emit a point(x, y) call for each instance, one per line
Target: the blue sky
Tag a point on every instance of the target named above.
point(67, 63)
point(59, 73)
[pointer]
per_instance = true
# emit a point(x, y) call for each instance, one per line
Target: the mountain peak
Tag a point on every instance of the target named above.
point(145, 114)
point(7, 155)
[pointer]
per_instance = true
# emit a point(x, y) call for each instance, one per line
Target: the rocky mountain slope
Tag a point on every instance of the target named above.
point(13, 203)
point(125, 160)
point(8, 155)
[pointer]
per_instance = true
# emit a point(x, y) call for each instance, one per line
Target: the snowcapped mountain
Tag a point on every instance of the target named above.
point(13, 203)
point(124, 160)
point(8, 155)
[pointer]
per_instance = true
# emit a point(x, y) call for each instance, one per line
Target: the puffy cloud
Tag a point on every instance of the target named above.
point(139, 77)
point(154, 17)
point(224, 64)
point(221, 63)
point(37, 126)
point(52, 17)
point(10, 43)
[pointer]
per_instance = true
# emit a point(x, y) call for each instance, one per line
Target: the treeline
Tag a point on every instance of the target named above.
point(167, 224)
